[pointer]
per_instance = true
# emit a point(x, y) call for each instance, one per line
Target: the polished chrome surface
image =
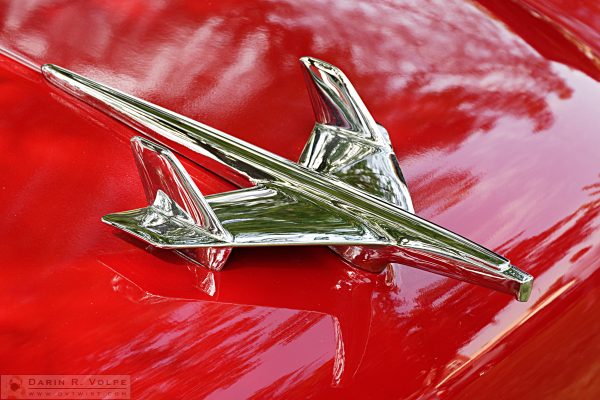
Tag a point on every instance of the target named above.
point(269, 213)
point(346, 142)
point(178, 216)
point(348, 191)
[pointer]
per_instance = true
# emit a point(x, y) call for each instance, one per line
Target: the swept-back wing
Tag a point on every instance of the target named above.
point(346, 142)
point(274, 214)
point(180, 217)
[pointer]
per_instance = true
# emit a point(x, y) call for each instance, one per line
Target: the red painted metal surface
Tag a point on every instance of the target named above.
point(492, 110)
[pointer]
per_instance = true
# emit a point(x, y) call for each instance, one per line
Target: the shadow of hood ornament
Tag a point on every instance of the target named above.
point(346, 191)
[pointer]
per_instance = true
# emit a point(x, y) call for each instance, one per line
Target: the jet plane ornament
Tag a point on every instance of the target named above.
point(346, 192)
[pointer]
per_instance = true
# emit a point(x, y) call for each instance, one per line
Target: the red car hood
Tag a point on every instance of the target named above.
point(492, 109)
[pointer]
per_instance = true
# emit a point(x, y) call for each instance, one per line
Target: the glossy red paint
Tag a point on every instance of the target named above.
point(497, 134)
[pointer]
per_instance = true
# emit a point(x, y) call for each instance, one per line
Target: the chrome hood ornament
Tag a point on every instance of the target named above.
point(346, 192)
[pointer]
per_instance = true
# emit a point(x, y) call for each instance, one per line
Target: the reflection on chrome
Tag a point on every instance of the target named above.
point(347, 191)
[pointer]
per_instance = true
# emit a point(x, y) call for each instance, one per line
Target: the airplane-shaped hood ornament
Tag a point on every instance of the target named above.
point(346, 192)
